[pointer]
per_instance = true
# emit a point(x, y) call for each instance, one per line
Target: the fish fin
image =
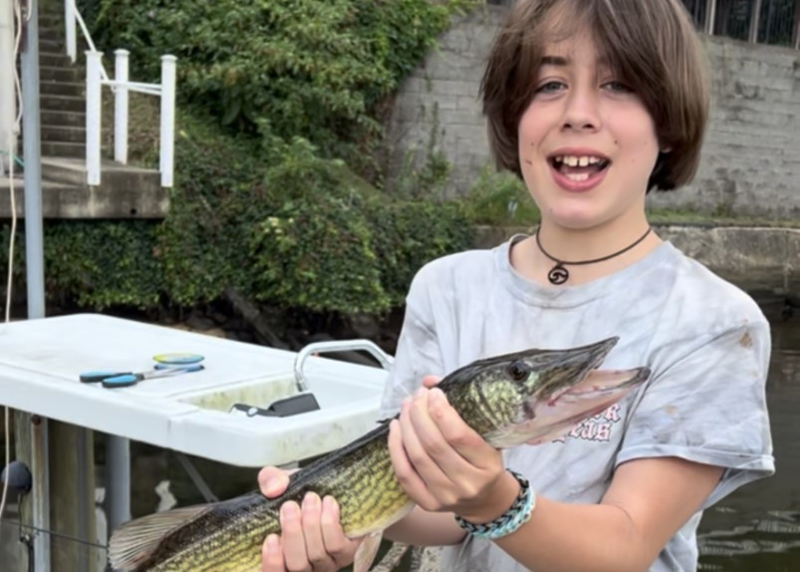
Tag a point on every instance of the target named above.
point(136, 540)
point(367, 551)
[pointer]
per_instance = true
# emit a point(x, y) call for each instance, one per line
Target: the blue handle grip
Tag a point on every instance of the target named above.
point(122, 380)
point(100, 375)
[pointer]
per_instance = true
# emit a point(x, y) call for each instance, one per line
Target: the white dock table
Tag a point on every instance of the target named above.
point(41, 360)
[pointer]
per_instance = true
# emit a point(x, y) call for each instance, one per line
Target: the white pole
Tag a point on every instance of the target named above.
point(8, 101)
point(93, 117)
point(34, 265)
point(167, 119)
point(755, 19)
point(711, 14)
point(121, 107)
point(71, 34)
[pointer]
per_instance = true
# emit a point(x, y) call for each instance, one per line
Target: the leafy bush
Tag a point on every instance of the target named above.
point(278, 223)
point(309, 234)
point(408, 233)
point(500, 198)
point(93, 264)
point(309, 68)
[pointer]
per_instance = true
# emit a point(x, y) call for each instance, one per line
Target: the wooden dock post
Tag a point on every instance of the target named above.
point(69, 492)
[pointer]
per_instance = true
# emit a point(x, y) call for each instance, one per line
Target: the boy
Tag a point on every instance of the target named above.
point(592, 103)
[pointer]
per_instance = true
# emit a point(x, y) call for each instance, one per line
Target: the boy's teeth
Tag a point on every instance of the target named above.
point(575, 161)
point(577, 177)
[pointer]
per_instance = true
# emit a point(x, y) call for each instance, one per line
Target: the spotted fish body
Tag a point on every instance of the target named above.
point(524, 397)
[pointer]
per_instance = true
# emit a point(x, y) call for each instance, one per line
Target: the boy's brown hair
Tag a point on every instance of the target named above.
point(651, 44)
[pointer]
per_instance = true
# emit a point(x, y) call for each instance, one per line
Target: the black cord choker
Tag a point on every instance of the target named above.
point(559, 274)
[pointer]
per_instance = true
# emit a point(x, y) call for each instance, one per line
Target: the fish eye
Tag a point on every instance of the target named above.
point(518, 370)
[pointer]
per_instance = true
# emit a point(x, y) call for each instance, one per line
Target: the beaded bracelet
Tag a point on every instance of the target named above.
point(508, 522)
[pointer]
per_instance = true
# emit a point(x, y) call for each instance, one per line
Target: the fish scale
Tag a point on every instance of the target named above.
point(510, 400)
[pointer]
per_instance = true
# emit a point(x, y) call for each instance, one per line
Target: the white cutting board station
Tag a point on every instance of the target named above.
point(41, 360)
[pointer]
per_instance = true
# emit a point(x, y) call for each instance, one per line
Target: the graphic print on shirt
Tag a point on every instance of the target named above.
point(597, 428)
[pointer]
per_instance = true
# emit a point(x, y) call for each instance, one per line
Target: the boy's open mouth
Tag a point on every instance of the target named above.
point(578, 168)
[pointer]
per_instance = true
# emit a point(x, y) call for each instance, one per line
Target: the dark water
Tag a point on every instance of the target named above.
point(757, 528)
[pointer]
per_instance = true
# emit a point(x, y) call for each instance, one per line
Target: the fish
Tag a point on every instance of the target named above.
point(525, 397)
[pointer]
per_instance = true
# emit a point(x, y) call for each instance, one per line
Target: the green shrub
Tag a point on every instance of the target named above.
point(408, 233)
point(303, 232)
point(500, 198)
point(93, 264)
point(309, 68)
point(280, 224)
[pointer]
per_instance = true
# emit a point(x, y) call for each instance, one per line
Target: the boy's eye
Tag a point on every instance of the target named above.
point(617, 86)
point(550, 87)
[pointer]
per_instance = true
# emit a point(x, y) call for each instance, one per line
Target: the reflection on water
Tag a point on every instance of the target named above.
point(757, 528)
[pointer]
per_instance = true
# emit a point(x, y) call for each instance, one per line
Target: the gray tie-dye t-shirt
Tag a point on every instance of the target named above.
point(706, 341)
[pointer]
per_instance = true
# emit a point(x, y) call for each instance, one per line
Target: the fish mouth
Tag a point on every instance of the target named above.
point(585, 393)
point(599, 383)
point(597, 391)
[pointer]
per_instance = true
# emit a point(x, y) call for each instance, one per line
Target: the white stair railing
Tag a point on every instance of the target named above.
point(96, 78)
point(121, 86)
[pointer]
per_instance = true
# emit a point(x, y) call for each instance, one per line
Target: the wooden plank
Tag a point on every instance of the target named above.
point(72, 496)
point(69, 492)
point(23, 423)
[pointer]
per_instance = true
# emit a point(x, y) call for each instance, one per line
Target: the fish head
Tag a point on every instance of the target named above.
point(538, 395)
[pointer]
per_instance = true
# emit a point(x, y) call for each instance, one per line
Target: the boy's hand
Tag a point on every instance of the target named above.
point(312, 539)
point(443, 464)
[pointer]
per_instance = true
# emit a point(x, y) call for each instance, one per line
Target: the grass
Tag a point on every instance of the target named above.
point(679, 216)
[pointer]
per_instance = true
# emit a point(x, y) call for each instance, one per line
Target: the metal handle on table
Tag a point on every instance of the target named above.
point(337, 346)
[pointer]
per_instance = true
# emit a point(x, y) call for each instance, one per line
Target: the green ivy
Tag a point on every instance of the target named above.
point(316, 69)
point(94, 264)
point(500, 198)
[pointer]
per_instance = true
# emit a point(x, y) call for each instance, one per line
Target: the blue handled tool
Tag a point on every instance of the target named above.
point(160, 370)
point(168, 364)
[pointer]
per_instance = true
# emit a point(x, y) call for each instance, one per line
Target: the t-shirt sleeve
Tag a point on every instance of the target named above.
point(418, 350)
point(708, 405)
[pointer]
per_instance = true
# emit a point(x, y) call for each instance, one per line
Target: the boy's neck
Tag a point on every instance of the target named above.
point(570, 245)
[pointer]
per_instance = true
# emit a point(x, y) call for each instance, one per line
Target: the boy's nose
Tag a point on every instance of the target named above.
point(580, 112)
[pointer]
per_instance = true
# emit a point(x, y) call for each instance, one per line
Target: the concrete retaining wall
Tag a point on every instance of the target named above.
point(764, 261)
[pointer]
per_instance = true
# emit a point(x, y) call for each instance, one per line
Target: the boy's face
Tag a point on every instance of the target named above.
point(587, 144)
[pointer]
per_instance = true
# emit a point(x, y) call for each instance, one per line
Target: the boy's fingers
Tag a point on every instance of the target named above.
point(273, 481)
point(312, 530)
point(461, 437)
point(411, 482)
point(337, 545)
point(292, 538)
point(272, 555)
point(450, 464)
